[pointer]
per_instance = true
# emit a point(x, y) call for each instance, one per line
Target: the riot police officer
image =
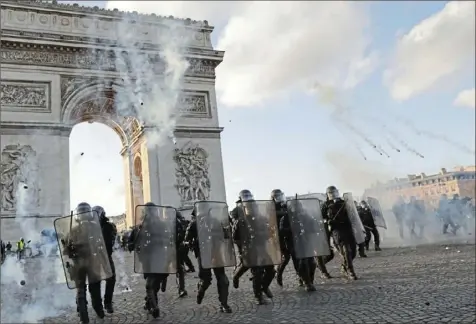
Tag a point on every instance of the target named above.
point(399, 210)
point(369, 225)
point(148, 243)
point(306, 265)
point(182, 251)
point(263, 275)
point(193, 240)
point(109, 233)
point(361, 246)
point(277, 195)
point(335, 213)
point(81, 250)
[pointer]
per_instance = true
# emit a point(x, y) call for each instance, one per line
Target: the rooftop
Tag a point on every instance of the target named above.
point(422, 176)
point(114, 13)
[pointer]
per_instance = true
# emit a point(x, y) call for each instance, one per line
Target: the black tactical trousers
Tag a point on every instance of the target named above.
point(262, 278)
point(186, 261)
point(181, 270)
point(110, 284)
point(400, 226)
point(307, 269)
point(205, 276)
point(285, 257)
point(369, 231)
point(81, 299)
point(449, 222)
point(240, 270)
point(153, 282)
point(344, 242)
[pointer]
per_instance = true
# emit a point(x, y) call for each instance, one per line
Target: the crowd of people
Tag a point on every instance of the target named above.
point(267, 235)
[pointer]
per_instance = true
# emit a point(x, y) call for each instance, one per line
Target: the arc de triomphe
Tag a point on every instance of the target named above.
point(50, 73)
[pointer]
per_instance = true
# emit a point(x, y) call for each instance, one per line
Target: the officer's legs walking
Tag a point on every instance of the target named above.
point(368, 237)
point(109, 290)
point(96, 300)
point(376, 235)
point(305, 272)
point(188, 262)
point(257, 273)
point(268, 276)
point(240, 271)
point(222, 287)
point(285, 257)
point(349, 252)
point(205, 280)
point(152, 284)
point(181, 279)
point(361, 248)
point(321, 264)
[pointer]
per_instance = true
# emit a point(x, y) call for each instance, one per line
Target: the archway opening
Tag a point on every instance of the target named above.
point(97, 171)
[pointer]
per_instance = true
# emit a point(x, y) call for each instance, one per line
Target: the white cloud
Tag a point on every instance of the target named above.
point(466, 98)
point(438, 47)
point(272, 48)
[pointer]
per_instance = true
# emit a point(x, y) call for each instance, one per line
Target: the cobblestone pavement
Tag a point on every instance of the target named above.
point(429, 284)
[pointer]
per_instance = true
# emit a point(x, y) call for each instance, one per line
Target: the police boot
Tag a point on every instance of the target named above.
point(201, 292)
point(268, 292)
point(236, 277)
point(377, 248)
point(82, 310)
point(108, 307)
point(300, 282)
point(225, 308)
point(259, 299)
point(310, 287)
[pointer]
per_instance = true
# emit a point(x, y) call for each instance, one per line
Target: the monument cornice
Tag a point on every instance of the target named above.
point(54, 39)
point(35, 128)
point(55, 7)
point(73, 23)
point(99, 59)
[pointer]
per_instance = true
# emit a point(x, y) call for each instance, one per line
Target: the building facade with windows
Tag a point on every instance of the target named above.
point(429, 188)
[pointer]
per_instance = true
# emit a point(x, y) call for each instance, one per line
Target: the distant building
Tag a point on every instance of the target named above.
point(120, 221)
point(461, 181)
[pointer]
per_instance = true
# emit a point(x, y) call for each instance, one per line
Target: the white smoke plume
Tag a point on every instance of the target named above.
point(32, 288)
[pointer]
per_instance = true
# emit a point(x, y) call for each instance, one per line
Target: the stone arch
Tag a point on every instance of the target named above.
point(95, 102)
point(137, 179)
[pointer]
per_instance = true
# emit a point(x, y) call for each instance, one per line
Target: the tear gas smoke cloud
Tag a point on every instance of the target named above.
point(32, 292)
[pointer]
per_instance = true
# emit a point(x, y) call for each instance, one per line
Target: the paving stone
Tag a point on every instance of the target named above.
point(428, 284)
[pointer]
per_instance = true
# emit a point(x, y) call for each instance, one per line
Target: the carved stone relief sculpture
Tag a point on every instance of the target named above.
point(25, 96)
point(19, 178)
point(193, 183)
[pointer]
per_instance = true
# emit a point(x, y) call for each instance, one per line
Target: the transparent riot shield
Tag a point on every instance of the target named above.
point(82, 249)
point(377, 213)
point(307, 226)
point(259, 234)
point(357, 226)
point(214, 235)
point(154, 238)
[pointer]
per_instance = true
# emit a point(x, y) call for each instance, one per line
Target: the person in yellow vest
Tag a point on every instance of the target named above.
point(20, 248)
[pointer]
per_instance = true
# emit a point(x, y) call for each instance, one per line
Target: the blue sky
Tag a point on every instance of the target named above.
point(284, 136)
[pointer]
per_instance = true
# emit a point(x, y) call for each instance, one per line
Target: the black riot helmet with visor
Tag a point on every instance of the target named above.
point(100, 212)
point(245, 195)
point(83, 212)
point(332, 193)
point(364, 204)
point(277, 195)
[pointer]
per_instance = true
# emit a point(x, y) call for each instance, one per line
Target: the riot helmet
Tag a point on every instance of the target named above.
point(364, 204)
point(149, 212)
point(455, 197)
point(332, 193)
point(83, 212)
point(99, 211)
point(278, 196)
point(245, 195)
